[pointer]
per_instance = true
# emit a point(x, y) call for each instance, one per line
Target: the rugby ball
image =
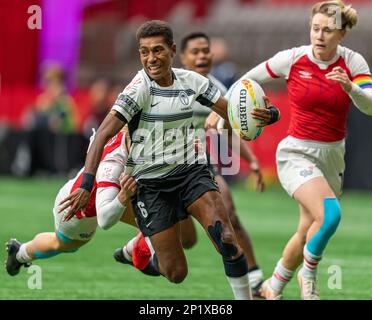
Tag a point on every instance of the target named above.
point(243, 97)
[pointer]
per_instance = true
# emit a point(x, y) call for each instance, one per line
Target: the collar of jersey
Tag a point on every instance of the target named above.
point(151, 79)
point(323, 64)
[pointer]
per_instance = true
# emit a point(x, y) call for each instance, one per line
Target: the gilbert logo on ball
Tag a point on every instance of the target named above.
point(244, 96)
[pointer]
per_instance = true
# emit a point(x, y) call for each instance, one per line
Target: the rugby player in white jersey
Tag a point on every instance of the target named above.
point(197, 56)
point(171, 181)
point(107, 203)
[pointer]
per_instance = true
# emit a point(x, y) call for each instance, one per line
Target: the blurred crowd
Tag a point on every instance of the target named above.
point(57, 126)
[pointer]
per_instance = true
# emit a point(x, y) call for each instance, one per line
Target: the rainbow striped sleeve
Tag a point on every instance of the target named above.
point(363, 81)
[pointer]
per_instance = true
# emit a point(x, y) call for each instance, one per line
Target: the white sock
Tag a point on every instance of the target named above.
point(240, 287)
point(130, 245)
point(310, 266)
point(255, 277)
point(22, 255)
point(148, 241)
point(281, 276)
point(126, 253)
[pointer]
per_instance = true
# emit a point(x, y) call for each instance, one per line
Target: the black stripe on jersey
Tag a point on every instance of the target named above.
point(169, 93)
point(130, 162)
point(153, 168)
point(134, 123)
point(166, 117)
point(201, 113)
point(206, 98)
point(128, 104)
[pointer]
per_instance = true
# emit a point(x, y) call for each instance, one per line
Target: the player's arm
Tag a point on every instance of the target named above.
point(220, 108)
point(359, 90)
point(113, 192)
point(276, 67)
point(269, 114)
point(78, 200)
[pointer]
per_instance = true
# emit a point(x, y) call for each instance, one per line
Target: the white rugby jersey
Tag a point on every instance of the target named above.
point(160, 121)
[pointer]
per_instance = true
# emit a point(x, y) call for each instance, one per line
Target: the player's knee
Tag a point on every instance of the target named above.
point(177, 274)
point(189, 241)
point(224, 240)
point(332, 215)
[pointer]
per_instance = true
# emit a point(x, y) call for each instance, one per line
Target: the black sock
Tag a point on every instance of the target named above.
point(255, 267)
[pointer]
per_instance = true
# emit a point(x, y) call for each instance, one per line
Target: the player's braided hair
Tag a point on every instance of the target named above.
point(155, 28)
point(349, 16)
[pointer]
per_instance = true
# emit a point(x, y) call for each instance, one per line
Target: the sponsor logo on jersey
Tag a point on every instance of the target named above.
point(183, 97)
point(154, 104)
point(305, 74)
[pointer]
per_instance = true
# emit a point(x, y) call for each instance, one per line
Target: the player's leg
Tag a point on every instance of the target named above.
point(169, 257)
point(188, 233)
point(318, 198)
point(69, 236)
point(291, 258)
point(210, 211)
point(138, 252)
point(156, 208)
point(255, 273)
point(44, 245)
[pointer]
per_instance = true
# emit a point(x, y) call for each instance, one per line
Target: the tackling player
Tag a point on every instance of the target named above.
point(108, 203)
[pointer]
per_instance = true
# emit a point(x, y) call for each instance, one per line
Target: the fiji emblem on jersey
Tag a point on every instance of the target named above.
point(183, 97)
point(305, 74)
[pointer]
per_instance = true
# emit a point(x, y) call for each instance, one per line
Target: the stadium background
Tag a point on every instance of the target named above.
point(94, 39)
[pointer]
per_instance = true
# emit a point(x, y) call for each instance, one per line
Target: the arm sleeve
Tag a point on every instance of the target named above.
point(207, 92)
point(276, 67)
point(109, 208)
point(361, 92)
point(362, 98)
point(132, 99)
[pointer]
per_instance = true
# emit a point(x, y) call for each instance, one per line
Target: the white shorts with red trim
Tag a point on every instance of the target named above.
point(299, 161)
point(75, 229)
